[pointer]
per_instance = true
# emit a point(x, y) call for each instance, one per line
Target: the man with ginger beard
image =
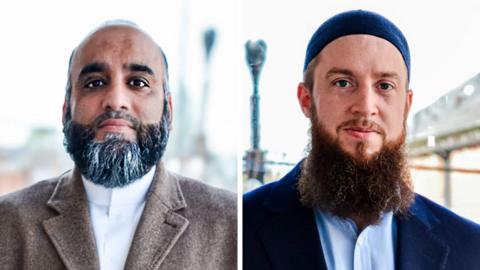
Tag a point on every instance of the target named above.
point(119, 208)
point(350, 204)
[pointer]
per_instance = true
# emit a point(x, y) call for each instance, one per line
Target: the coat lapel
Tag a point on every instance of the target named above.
point(290, 236)
point(70, 231)
point(160, 225)
point(417, 245)
point(292, 242)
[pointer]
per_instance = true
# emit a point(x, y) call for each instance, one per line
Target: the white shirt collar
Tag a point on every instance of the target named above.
point(132, 193)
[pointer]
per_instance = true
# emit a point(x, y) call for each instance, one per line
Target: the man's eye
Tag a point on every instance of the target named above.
point(385, 86)
point(138, 83)
point(95, 84)
point(343, 83)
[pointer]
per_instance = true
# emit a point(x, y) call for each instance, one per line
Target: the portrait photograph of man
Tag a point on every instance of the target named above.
point(350, 202)
point(120, 207)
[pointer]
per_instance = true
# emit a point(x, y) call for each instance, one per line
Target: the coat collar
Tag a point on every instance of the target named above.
point(419, 246)
point(161, 224)
point(159, 228)
point(291, 238)
point(72, 224)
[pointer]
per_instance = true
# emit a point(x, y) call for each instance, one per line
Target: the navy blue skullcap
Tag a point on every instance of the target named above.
point(357, 22)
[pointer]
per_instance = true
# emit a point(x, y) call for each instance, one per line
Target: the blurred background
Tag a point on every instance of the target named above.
point(212, 94)
point(444, 122)
point(37, 39)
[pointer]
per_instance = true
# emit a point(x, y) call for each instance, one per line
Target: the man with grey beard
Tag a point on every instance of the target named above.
point(350, 203)
point(119, 208)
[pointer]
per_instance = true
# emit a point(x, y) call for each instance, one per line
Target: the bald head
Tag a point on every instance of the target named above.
point(112, 36)
point(119, 32)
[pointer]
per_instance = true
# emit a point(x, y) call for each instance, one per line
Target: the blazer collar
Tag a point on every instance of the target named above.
point(70, 231)
point(161, 224)
point(283, 196)
point(290, 237)
point(419, 246)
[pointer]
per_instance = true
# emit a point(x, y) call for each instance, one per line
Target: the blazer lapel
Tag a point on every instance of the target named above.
point(292, 242)
point(417, 245)
point(70, 231)
point(290, 236)
point(160, 225)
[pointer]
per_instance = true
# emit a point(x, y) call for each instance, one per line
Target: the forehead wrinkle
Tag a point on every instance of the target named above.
point(387, 74)
point(107, 40)
point(104, 52)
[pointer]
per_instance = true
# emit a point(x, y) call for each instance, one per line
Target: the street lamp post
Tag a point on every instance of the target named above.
point(255, 157)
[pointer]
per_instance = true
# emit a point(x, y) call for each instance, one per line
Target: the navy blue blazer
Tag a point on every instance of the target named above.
point(279, 233)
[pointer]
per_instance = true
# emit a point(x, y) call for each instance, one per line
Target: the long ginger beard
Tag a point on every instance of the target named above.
point(346, 186)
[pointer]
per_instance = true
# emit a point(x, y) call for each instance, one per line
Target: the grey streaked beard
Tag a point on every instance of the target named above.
point(115, 162)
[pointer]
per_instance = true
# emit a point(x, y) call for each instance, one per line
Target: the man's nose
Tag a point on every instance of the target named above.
point(365, 101)
point(116, 97)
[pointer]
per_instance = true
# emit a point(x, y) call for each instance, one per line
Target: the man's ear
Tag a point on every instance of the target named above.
point(170, 112)
point(64, 111)
point(304, 96)
point(409, 100)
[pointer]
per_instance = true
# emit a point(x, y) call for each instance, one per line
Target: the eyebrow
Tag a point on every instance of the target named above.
point(335, 71)
point(92, 68)
point(140, 68)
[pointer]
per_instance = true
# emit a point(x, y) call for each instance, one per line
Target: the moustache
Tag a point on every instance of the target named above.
point(364, 124)
point(97, 122)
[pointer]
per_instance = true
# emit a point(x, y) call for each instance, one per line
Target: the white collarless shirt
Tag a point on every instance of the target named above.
point(115, 213)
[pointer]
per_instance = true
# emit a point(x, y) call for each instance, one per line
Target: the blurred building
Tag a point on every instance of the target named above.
point(190, 151)
point(444, 149)
point(41, 157)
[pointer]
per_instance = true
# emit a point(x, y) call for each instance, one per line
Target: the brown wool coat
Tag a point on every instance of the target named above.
point(185, 225)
